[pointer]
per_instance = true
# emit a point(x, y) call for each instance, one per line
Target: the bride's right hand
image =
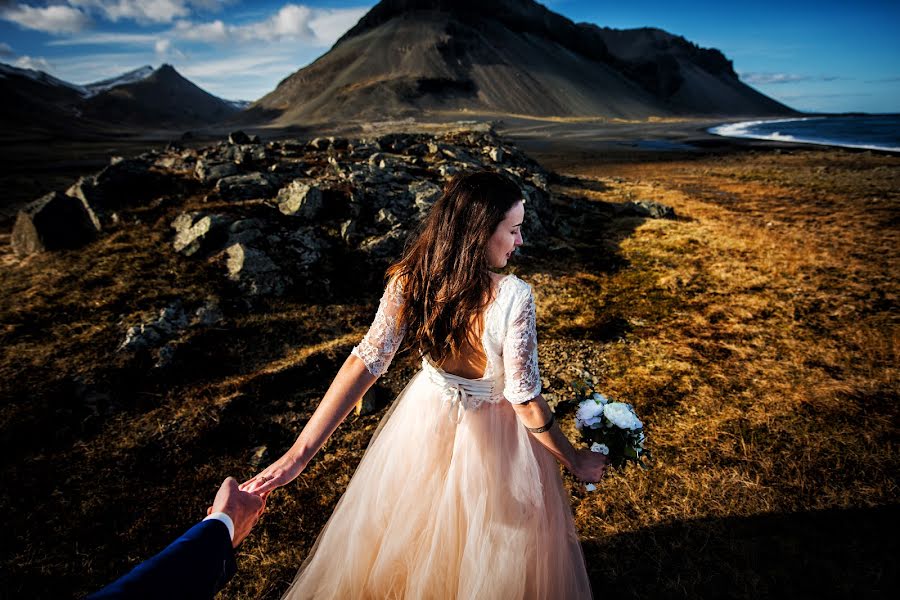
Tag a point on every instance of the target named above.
point(589, 466)
point(279, 473)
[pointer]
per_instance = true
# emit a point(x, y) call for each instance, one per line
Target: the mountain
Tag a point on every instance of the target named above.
point(92, 89)
point(409, 57)
point(162, 99)
point(145, 98)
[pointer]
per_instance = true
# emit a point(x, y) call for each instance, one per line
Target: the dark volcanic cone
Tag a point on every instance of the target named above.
point(409, 57)
point(163, 99)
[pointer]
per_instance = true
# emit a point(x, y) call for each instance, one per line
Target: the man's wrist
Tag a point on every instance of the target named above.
point(220, 516)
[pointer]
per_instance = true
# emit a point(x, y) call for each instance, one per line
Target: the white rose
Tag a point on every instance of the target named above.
point(601, 448)
point(589, 409)
point(621, 415)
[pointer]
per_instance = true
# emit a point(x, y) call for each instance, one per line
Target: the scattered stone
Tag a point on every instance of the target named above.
point(238, 137)
point(254, 271)
point(259, 456)
point(212, 172)
point(244, 187)
point(196, 231)
point(53, 222)
point(300, 199)
point(385, 246)
point(645, 208)
point(425, 194)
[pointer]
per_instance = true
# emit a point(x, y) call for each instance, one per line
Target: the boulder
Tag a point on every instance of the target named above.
point(53, 222)
point(385, 246)
point(195, 232)
point(208, 171)
point(238, 137)
point(645, 208)
point(122, 184)
point(306, 247)
point(244, 187)
point(245, 231)
point(425, 194)
point(300, 199)
point(254, 272)
point(496, 154)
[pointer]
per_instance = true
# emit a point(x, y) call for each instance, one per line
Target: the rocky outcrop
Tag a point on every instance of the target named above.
point(300, 210)
point(53, 222)
point(163, 334)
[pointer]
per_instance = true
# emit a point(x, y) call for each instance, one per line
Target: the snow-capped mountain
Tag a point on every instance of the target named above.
point(144, 98)
point(136, 75)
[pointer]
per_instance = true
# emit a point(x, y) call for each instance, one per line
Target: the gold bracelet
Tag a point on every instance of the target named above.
point(544, 427)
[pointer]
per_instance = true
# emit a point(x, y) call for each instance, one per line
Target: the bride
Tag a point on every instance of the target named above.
point(458, 494)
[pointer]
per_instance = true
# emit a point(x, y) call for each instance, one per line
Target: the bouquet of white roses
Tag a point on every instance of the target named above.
point(611, 428)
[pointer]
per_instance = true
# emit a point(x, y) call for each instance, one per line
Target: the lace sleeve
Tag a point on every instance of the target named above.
point(381, 342)
point(520, 352)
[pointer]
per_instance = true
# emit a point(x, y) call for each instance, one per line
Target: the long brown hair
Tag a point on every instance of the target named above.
point(444, 267)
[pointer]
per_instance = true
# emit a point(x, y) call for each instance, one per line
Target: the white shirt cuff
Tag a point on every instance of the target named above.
point(220, 516)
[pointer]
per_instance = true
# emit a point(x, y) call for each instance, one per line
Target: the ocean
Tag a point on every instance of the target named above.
point(872, 132)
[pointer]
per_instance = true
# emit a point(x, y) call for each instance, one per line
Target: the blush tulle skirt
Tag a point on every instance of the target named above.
point(444, 510)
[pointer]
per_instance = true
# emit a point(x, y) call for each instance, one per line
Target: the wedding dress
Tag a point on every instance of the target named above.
point(453, 498)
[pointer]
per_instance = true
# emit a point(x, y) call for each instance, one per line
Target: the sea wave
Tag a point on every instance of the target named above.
point(750, 130)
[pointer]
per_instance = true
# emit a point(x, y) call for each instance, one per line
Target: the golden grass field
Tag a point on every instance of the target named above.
point(756, 335)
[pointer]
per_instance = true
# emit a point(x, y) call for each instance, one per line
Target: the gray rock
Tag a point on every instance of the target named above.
point(496, 154)
point(245, 187)
point(238, 137)
point(245, 231)
point(122, 184)
point(306, 247)
point(386, 217)
point(195, 232)
point(299, 199)
point(254, 271)
point(211, 172)
point(321, 143)
point(425, 194)
point(208, 315)
point(645, 208)
point(349, 232)
point(170, 322)
point(53, 222)
point(447, 170)
point(385, 246)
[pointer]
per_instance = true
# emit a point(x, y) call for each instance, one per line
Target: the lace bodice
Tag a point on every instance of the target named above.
point(509, 339)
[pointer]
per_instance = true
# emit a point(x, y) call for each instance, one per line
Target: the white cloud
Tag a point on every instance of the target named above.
point(292, 22)
point(147, 11)
point(773, 78)
point(6, 50)
point(329, 25)
point(36, 63)
point(162, 46)
point(214, 32)
point(107, 38)
point(55, 19)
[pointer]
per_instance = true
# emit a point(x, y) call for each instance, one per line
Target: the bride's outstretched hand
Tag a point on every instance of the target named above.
point(279, 473)
point(589, 466)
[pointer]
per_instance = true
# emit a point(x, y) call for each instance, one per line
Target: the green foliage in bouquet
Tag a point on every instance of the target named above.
point(612, 428)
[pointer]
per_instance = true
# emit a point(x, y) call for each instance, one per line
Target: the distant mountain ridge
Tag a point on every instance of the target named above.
point(144, 98)
point(414, 57)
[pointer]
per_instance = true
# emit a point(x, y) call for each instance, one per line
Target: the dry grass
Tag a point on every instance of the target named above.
point(756, 336)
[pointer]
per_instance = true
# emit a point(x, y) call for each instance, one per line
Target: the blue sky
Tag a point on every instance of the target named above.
point(826, 55)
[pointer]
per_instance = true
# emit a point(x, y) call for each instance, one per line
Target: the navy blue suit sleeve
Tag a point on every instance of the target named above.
point(196, 565)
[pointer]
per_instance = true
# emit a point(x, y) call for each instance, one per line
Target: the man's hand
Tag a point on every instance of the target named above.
point(243, 508)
